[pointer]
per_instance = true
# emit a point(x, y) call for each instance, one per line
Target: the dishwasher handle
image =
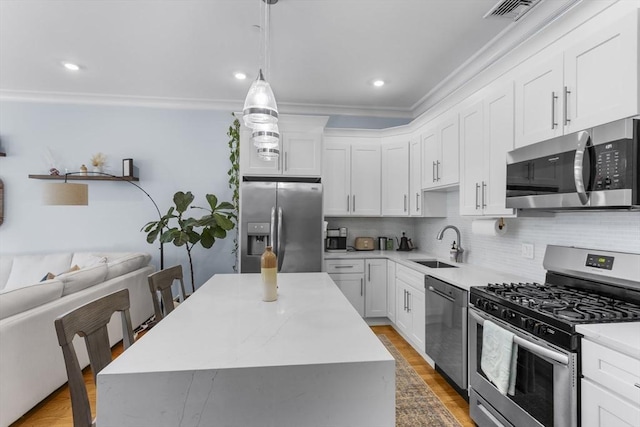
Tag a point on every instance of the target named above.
point(441, 294)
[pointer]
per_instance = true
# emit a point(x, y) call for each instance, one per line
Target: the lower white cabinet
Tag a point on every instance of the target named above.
point(391, 290)
point(610, 387)
point(363, 282)
point(375, 288)
point(410, 309)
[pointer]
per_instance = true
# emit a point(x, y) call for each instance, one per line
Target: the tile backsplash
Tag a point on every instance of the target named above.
point(610, 230)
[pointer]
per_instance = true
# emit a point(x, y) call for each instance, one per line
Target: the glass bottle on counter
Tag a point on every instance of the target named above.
point(269, 273)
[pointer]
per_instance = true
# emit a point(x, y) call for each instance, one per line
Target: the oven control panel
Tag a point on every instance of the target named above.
point(600, 261)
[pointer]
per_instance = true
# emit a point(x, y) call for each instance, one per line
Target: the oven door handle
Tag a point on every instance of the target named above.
point(531, 346)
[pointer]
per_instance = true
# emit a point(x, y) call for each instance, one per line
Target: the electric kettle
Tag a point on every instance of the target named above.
point(403, 243)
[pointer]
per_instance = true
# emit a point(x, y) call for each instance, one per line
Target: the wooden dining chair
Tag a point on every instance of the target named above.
point(160, 283)
point(90, 321)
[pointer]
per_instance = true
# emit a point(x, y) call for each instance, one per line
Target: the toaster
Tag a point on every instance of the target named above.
point(364, 244)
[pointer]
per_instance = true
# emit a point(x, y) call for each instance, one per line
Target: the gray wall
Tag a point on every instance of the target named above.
point(174, 150)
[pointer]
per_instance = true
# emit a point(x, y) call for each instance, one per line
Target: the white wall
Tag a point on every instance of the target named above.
point(614, 230)
point(174, 150)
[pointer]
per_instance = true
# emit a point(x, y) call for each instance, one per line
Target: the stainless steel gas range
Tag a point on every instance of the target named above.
point(581, 286)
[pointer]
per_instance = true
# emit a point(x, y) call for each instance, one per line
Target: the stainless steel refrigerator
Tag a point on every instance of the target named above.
point(286, 215)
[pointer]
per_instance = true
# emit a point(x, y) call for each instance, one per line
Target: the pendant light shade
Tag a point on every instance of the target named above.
point(268, 154)
point(260, 104)
point(266, 135)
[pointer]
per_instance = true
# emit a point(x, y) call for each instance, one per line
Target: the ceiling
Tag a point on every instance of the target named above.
point(324, 53)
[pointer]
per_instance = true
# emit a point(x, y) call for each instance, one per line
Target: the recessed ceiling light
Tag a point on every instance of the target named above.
point(71, 66)
point(378, 83)
point(240, 76)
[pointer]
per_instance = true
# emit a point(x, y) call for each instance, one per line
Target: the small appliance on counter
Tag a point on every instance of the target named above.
point(382, 243)
point(404, 244)
point(364, 244)
point(336, 240)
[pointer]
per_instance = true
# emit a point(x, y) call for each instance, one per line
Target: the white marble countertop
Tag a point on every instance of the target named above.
point(464, 276)
point(623, 337)
point(225, 357)
point(310, 323)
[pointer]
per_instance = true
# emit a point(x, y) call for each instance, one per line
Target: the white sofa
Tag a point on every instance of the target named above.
point(31, 362)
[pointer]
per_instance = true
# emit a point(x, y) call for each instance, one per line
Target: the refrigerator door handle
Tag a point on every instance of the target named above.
point(280, 252)
point(272, 227)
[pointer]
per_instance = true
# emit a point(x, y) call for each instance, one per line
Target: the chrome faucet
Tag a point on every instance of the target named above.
point(458, 250)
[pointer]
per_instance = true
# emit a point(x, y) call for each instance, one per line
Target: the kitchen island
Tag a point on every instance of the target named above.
point(226, 358)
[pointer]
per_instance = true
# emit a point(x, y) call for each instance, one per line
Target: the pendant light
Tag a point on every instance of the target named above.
point(260, 106)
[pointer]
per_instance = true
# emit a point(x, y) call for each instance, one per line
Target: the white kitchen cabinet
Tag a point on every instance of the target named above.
point(595, 81)
point(300, 148)
point(375, 289)
point(349, 276)
point(351, 178)
point(410, 305)
point(415, 176)
point(486, 135)
point(610, 387)
point(440, 149)
point(395, 178)
point(391, 290)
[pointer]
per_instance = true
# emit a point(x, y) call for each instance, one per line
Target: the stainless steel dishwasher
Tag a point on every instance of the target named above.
point(446, 331)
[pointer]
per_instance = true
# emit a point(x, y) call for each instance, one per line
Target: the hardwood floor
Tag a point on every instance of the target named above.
point(55, 410)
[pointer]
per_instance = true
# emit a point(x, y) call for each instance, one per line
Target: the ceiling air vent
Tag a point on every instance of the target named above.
point(511, 9)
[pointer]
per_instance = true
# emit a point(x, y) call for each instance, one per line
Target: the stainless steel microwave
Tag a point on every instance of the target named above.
point(592, 169)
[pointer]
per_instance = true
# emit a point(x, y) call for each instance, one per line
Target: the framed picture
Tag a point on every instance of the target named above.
point(127, 168)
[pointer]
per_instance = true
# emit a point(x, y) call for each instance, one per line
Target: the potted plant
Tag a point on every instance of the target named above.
point(185, 231)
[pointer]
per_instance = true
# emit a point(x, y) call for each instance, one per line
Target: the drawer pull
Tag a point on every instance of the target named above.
point(343, 266)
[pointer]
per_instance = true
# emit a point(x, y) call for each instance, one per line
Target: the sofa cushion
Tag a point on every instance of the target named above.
point(5, 269)
point(78, 280)
point(125, 263)
point(29, 269)
point(21, 299)
point(87, 259)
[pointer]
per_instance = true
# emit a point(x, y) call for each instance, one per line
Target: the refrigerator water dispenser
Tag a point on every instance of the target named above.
point(258, 237)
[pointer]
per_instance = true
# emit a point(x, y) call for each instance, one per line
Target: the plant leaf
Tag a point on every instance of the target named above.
point(223, 221)
point(182, 200)
point(212, 200)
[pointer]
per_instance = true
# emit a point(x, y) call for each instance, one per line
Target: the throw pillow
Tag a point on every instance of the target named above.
point(80, 279)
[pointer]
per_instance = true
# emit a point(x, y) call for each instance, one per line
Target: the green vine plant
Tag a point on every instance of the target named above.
point(234, 179)
point(185, 231)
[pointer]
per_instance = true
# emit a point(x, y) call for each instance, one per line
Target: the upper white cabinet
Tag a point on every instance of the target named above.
point(486, 135)
point(595, 81)
point(395, 177)
point(300, 149)
point(415, 177)
point(440, 148)
point(351, 177)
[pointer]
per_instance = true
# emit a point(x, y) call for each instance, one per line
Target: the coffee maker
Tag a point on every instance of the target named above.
point(336, 240)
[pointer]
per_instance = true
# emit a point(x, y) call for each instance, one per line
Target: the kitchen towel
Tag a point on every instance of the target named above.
point(499, 357)
point(488, 227)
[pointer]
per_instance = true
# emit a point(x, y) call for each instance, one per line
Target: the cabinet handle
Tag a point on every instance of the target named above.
point(361, 287)
point(637, 385)
point(408, 302)
point(553, 110)
point(405, 202)
point(286, 163)
point(433, 172)
point(484, 188)
point(348, 203)
point(438, 170)
point(343, 266)
point(369, 272)
point(477, 188)
point(353, 205)
point(418, 202)
point(405, 300)
point(566, 106)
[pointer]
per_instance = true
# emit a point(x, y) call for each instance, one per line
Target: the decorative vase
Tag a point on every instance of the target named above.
point(269, 273)
point(97, 169)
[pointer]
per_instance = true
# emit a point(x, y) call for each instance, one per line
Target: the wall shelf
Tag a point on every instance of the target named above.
point(87, 177)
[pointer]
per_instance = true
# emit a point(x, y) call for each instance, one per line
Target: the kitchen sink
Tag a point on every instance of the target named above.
point(435, 264)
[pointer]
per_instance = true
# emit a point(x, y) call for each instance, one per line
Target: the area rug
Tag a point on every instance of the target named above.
point(416, 404)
